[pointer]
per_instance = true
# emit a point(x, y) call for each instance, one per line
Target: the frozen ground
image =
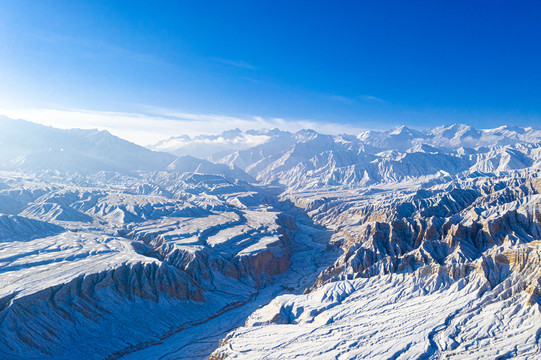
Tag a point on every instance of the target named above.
point(309, 256)
point(394, 316)
point(394, 245)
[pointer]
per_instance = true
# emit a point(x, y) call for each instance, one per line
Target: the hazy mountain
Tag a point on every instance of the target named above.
point(190, 164)
point(310, 160)
point(214, 146)
point(29, 146)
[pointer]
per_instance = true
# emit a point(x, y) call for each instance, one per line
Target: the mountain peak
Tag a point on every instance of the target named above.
point(404, 131)
point(306, 134)
point(231, 134)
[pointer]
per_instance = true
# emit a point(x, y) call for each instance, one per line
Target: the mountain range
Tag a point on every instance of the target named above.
point(268, 244)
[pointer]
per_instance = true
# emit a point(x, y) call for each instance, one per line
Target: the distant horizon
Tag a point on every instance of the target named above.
point(135, 135)
point(270, 179)
point(356, 65)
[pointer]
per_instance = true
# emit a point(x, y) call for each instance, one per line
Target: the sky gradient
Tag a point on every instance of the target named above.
point(359, 65)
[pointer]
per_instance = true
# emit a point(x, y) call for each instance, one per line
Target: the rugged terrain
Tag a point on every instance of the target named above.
point(394, 245)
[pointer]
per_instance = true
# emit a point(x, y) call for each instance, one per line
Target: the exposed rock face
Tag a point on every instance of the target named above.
point(445, 271)
point(430, 269)
point(310, 161)
point(43, 323)
point(170, 260)
point(433, 227)
point(406, 243)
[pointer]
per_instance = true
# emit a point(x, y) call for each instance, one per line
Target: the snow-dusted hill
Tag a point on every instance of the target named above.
point(271, 245)
point(215, 146)
point(32, 147)
point(308, 160)
point(451, 270)
point(130, 266)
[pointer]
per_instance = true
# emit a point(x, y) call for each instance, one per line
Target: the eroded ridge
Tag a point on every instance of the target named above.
point(451, 270)
point(385, 244)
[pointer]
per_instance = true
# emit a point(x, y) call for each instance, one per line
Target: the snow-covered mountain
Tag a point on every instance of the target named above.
point(451, 270)
point(215, 146)
point(29, 146)
point(190, 164)
point(271, 245)
point(308, 160)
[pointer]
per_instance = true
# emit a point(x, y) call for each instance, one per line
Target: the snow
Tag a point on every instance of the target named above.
point(393, 316)
point(397, 244)
point(209, 146)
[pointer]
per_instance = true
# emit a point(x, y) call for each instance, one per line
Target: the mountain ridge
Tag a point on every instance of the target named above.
point(315, 242)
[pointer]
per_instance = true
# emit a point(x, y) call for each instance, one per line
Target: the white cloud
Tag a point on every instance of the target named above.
point(95, 48)
point(356, 99)
point(341, 99)
point(370, 98)
point(158, 124)
point(235, 63)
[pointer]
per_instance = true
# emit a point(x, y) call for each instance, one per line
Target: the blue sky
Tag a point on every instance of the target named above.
point(357, 64)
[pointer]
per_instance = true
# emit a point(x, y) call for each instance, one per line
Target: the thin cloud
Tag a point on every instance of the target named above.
point(149, 128)
point(241, 64)
point(373, 99)
point(355, 100)
point(341, 99)
point(99, 48)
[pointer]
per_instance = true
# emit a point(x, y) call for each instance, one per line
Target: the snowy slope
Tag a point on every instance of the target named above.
point(161, 262)
point(451, 270)
point(395, 244)
point(215, 146)
point(308, 160)
point(190, 164)
point(33, 147)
